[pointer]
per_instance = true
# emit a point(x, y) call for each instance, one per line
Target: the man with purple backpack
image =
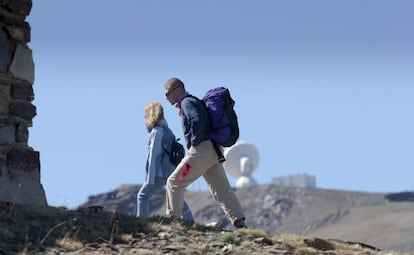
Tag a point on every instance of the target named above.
point(201, 158)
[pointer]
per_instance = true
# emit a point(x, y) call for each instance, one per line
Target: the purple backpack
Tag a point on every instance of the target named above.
point(223, 118)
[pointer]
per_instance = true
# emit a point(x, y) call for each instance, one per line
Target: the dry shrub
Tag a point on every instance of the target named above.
point(227, 238)
point(246, 244)
point(256, 233)
point(69, 244)
point(181, 239)
point(126, 238)
point(291, 240)
point(351, 249)
point(305, 251)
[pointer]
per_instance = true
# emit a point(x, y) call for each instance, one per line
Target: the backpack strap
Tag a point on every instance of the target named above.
point(220, 156)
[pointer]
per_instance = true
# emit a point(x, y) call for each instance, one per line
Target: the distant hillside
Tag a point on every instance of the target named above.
point(346, 215)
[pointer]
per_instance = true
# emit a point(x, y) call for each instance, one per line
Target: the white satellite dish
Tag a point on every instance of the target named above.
point(242, 160)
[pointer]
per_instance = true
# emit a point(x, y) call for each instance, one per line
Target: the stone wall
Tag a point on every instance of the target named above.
point(19, 163)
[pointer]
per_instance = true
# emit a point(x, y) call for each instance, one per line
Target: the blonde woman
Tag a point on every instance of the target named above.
point(158, 166)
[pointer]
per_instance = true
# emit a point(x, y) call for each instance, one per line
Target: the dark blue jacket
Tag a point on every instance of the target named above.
point(196, 122)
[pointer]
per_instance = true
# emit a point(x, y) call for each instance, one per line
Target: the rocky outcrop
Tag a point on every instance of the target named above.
point(91, 230)
point(351, 216)
point(19, 163)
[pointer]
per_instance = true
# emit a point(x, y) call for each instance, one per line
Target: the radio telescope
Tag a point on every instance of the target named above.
point(241, 161)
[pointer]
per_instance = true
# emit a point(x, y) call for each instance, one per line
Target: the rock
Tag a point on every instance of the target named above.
point(320, 244)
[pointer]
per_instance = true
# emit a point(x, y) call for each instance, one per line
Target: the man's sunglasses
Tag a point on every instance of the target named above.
point(169, 92)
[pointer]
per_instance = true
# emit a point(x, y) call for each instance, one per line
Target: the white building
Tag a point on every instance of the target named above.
point(298, 180)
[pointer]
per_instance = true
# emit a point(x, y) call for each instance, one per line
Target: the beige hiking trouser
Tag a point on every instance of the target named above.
point(201, 160)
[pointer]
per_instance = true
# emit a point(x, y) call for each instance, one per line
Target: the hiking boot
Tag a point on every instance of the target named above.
point(239, 223)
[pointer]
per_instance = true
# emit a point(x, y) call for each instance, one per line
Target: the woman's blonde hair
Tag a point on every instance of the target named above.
point(153, 114)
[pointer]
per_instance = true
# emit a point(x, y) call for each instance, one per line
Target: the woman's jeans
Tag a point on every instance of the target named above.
point(147, 191)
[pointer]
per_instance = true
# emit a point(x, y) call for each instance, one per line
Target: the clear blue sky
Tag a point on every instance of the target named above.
point(322, 87)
